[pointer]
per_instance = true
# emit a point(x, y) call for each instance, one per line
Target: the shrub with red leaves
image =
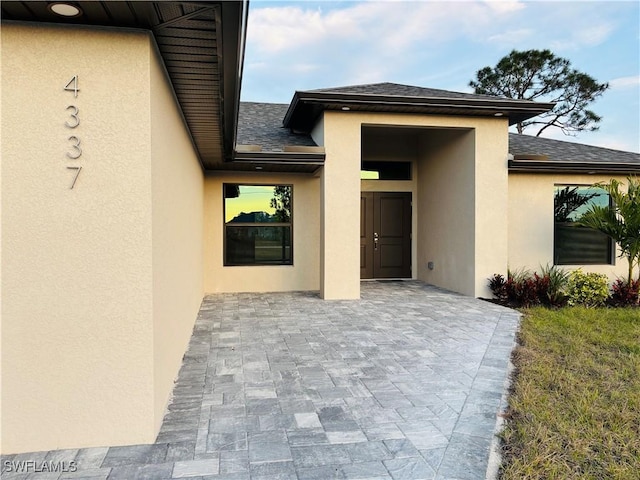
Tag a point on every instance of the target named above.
point(624, 294)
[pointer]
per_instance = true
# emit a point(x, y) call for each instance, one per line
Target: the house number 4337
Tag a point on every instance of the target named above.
point(74, 150)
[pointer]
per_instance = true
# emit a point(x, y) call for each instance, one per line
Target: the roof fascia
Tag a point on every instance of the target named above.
point(546, 166)
point(281, 158)
point(233, 51)
point(323, 99)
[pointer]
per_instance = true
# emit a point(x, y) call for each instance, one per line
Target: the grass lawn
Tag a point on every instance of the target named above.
point(574, 411)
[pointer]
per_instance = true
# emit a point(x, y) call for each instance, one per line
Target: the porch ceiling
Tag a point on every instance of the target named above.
point(201, 43)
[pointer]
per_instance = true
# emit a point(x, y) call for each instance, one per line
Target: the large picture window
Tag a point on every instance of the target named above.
point(257, 224)
point(574, 244)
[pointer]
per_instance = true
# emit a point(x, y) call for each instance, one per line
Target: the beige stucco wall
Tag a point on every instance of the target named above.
point(81, 275)
point(531, 221)
point(340, 207)
point(462, 192)
point(446, 213)
point(302, 275)
point(460, 200)
point(177, 236)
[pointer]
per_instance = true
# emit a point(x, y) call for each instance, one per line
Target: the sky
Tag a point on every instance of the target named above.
point(305, 45)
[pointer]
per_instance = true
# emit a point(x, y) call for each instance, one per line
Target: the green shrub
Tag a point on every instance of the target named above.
point(588, 289)
point(522, 288)
point(556, 288)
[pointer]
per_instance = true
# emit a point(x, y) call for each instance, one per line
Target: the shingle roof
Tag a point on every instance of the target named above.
point(400, 90)
point(562, 151)
point(261, 124)
point(307, 106)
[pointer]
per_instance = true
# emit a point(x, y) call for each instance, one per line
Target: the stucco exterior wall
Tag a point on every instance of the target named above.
point(76, 263)
point(462, 219)
point(100, 283)
point(531, 221)
point(492, 198)
point(177, 235)
point(461, 204)
point(302, 275)
point(446, 210)
point(340, 207)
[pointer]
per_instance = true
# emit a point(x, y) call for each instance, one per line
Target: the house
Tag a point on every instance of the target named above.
point(133, 182)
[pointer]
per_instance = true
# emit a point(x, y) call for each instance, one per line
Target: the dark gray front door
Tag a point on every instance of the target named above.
point(385, 235)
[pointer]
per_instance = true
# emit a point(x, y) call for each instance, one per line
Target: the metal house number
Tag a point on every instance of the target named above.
point(74, 150)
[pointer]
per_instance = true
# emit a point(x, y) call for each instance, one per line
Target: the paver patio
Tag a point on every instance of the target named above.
point(405, 383)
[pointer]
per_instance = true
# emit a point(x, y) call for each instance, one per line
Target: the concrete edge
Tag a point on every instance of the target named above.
point(495, 455)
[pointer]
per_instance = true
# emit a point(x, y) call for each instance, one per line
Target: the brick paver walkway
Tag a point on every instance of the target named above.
point(403, 384)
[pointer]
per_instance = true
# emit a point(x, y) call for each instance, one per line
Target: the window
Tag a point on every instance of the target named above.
point(574, 244)
point(385, 171)
point(257, 224)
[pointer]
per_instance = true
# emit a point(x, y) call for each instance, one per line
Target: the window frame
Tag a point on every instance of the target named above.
point(611, 245)
point(385, 166)
point(226, 224)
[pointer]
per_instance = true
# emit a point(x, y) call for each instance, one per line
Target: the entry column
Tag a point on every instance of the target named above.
point(340, 208)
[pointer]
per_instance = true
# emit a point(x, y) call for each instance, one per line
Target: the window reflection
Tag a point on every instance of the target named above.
point(573, 243)
point(258, 224)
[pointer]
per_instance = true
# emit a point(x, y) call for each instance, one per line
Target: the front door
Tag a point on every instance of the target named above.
point(385, 235)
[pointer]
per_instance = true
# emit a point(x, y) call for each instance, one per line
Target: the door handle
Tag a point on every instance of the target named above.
point(375, 241)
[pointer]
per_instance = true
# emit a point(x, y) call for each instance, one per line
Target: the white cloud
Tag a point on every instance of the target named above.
point(273, 30)
point(304, 67)
point(386, 26)
point(308, 46)
point(511, 37)
point(584, 36)
point(440, 44)
point(505, 6)
point(625, 82)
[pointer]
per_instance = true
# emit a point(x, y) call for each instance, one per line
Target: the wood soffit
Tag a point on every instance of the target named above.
point(201, 44)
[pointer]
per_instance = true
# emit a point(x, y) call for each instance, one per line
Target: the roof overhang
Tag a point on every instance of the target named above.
point(534, 165)
point(293, 159)
point(202, 47)
point(306, 107)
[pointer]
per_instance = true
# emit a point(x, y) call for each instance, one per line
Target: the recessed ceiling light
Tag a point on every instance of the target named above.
point(258, 167)
point(498, 114)
point(345, 108)
point(65, 9)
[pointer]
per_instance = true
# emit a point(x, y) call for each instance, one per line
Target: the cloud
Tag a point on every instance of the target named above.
point(365, 42)
point(505, 6)
point(440, 44)
point(386, 26)
point(273, 30)
point(625, 82)
point(511, 37)
point(584, 36)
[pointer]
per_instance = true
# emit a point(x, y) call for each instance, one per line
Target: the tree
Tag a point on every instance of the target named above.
point(281, 202)
point(567, 201)
point(620, 220)
point(540, 75)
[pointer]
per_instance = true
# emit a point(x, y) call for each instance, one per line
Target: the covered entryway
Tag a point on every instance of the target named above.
point(385, 235)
